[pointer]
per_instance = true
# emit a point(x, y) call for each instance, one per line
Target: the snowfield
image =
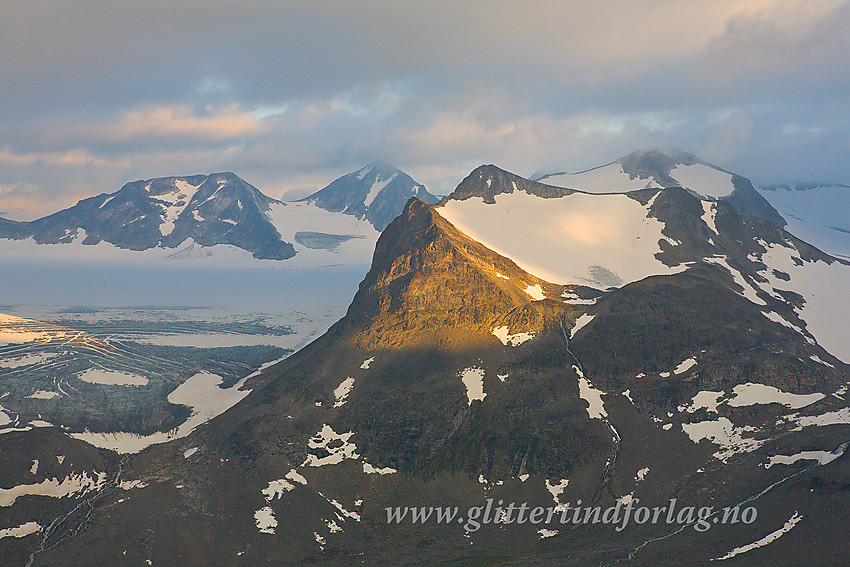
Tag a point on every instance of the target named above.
point(817, 215)
point(606, 179)
point(703, 180)
point(597, 240)
point(292, 218)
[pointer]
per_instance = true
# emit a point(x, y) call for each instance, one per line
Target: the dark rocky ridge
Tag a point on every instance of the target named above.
point(487, 181)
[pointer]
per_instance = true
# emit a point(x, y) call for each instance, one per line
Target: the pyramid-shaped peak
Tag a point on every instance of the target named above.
point(376, 192)
point(423, 275)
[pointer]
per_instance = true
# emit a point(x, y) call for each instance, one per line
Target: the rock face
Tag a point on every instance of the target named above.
point(376, 193)
point(427, 278)
point(487, 181)
point(220, 208)
point(457, 376)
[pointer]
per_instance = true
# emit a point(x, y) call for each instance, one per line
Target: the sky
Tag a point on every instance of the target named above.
point(290, 95)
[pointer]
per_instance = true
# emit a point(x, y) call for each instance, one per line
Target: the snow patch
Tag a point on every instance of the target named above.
point(596, 407)
point(723, 433)
point(777, 318)
point(294, 476)
point(369, 469)
point(752, 394)
point(189, 452)
point(21, 531)
point(606, 179)
point(535, 292)
point(265, 520)
point(345, 513)
point(706, 399)
point(70, 485)
point(276, 488)
point(818, 359)
point(176, 202)
point(749, 292)
point(43, 395)
point(473, 379)
point(516, 339)
point(326, 439)
point(841, 416)
point(822, 457)
point(111, 377)
point(573, 299)
point(377, 187)
point(367, 362)
point(685, 365)
point(583, 320)
point(823, 287)
point(557, 489)
point(27, 360)
point(708, 216)
point(341, 392)
point(769, 538)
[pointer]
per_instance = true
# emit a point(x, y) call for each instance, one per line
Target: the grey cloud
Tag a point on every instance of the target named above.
point(436, 88)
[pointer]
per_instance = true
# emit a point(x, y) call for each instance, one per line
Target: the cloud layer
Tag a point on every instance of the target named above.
point(290, 95)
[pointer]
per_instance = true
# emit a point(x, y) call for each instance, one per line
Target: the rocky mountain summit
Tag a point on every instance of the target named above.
point(660, 169)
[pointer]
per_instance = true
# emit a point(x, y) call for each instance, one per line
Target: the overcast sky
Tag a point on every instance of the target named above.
point(290, 95)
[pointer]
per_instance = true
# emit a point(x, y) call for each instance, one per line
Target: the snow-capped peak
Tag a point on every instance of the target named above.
point(663, 168)
point(376, 192)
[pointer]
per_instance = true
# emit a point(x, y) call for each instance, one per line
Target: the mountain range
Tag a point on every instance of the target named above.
point(519, 342)
point(188, 215)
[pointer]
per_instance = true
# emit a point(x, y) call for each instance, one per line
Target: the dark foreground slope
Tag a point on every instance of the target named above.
point(413, 400)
